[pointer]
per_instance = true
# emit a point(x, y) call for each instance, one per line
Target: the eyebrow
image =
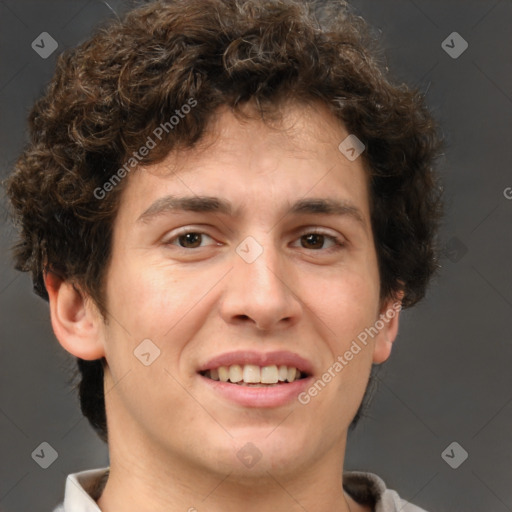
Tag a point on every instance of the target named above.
point(203, 204)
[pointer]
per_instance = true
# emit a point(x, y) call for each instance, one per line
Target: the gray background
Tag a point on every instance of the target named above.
point(449, 378)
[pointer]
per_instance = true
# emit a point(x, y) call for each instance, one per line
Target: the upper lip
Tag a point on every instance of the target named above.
point(243, 357)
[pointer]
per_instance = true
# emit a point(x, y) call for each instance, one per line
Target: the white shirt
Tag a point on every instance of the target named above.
point(83, 488)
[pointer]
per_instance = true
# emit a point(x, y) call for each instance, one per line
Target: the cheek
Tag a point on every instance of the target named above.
point(159, 301)
point(139, 290)
point(347, 301)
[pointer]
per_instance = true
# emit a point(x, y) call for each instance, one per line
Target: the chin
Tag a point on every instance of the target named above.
point(260, 451)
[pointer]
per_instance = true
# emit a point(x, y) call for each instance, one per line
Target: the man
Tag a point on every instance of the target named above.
point(227, 204)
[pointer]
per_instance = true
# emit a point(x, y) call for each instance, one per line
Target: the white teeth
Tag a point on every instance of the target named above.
point(269, 374)
point(291, 374)
point(253, 374)
point(235, 373)
point(223, 373)
point(283, 373)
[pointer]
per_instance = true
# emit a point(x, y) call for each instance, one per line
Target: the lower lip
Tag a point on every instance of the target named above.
point(250, 396)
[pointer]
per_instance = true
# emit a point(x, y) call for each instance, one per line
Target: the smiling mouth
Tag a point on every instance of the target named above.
point(255, 376)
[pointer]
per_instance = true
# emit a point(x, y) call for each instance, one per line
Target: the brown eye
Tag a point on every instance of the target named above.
point(194, 239)
point(189, 240)
point(314, 241)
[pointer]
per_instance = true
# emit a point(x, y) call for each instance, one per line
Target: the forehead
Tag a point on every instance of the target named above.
point(300, 131)
point(240, 159)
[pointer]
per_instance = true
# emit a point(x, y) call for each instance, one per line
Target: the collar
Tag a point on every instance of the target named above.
point(84, 487)
point(82, 490)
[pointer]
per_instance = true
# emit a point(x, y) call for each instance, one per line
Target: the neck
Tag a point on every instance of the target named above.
point(140, 483)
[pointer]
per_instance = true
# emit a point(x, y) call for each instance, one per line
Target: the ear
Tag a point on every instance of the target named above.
point(389, 316)
point(77, 324)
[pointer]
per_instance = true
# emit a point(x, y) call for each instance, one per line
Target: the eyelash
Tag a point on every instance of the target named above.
point(339, 243)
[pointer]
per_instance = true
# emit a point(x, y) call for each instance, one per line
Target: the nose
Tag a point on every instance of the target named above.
point(261, 292)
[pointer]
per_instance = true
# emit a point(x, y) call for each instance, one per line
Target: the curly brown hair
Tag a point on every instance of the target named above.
point(109, 94)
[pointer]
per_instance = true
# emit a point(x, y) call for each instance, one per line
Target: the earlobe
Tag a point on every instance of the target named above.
point(76, 324)
point(389, 317)
point(382, 349)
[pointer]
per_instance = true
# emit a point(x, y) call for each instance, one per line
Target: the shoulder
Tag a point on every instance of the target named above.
point(369, 489)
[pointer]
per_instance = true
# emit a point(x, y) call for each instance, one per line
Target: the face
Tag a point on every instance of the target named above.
point(254, 249)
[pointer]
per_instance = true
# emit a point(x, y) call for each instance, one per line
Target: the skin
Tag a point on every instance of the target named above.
point(173, 441)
